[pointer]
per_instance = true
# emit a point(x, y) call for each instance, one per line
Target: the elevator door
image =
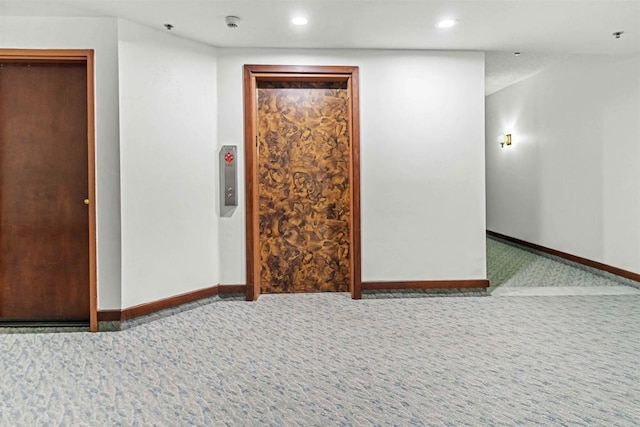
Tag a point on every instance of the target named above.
point(44, 232)
point(303, 186)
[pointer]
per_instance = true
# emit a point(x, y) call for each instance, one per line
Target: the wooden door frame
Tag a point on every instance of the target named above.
point(255, 73)
point(86, 56)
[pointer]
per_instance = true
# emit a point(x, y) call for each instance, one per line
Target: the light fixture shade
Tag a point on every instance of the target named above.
point(504, 139)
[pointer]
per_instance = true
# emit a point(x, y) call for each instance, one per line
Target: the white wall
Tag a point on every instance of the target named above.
point(99, 34)
point(571, 179)
point(422, 163)
point(168, 164)
point(159, 229)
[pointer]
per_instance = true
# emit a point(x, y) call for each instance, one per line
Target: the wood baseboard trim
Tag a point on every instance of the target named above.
point(152, 307)
point(426, 284)
point(109, 315)
point(232, 289)
point(584, 261)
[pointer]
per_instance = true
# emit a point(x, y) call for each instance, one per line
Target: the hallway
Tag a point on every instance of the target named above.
point(323, 359)
point(514, 270)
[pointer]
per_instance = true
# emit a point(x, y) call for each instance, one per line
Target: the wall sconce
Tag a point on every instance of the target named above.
point(504, 139)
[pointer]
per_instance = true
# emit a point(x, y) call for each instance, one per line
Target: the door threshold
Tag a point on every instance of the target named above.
point(44, 324)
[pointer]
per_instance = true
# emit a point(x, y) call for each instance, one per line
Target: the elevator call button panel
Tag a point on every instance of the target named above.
point(229, 175)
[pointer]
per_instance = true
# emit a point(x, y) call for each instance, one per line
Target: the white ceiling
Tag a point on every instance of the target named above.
point(545, 31)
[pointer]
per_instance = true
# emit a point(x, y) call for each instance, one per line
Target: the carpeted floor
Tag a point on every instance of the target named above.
point(326, 360)
point(323, 359)
point(514, 267)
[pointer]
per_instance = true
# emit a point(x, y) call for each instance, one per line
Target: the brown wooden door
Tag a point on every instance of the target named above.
point(303, 186)
point(44, 232)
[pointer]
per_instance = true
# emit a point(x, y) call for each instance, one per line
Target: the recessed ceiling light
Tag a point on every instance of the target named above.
point(447, 23)
point(299, 20)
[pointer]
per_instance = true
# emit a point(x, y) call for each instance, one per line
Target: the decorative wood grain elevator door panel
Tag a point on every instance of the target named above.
point(303, 175)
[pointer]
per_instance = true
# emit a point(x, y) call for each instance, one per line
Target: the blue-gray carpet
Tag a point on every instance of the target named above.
point(325, 360)
point(516, 267)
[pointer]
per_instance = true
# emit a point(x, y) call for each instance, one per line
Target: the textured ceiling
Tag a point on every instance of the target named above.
point(545, 31)
point(503, 68)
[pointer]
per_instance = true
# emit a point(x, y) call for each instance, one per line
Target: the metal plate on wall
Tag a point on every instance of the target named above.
point(229, 175)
